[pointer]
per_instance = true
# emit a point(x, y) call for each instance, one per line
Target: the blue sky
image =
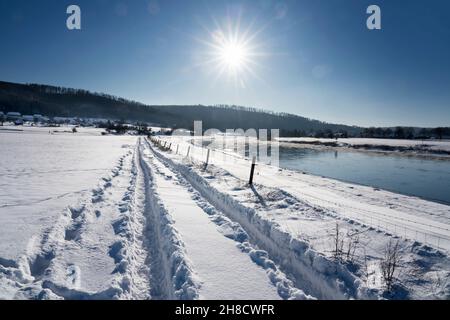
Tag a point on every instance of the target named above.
point(315, 58)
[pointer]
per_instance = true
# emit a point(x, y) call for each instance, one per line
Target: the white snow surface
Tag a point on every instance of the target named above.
point(85, 216)
point(45, 181)
point(42, 174)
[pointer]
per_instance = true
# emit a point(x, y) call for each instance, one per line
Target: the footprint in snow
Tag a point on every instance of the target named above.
point(73, 276)
point(123, 208)
point(97, 199)
point(98, 191)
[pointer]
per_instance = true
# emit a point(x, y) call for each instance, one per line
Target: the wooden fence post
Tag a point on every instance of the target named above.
point(252, 171)
point(207, 158)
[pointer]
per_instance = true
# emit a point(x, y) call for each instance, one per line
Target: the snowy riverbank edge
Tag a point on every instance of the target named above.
point(409, 148)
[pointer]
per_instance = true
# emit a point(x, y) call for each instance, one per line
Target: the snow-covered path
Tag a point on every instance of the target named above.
point(143, 233)
point(225, 272)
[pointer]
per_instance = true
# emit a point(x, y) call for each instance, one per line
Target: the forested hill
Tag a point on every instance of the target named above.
point(65, 102)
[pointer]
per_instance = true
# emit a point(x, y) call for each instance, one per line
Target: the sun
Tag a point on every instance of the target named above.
point(233, 55)
point(233, 52)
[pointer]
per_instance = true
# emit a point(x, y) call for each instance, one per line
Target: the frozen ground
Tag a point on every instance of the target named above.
point(89, 217)
point(430, 147)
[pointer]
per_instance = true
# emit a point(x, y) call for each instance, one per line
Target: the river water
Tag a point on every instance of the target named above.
point(425, 178)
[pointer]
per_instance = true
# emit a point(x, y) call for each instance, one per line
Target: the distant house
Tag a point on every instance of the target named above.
point(28, 118)
point(38, 118)
point(2, 116)
point(62, 120)
point(13, 116)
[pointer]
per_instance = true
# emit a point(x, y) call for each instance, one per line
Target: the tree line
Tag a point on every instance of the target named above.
point(406, 133)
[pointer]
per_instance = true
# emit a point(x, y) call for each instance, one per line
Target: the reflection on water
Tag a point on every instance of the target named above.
point(425, 178)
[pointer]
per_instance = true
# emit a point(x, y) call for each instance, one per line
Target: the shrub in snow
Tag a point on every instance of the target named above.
point(390, 263)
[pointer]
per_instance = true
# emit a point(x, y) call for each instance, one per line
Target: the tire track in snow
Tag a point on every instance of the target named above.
point(205, 231)
point(129, 253)
point(148, 232)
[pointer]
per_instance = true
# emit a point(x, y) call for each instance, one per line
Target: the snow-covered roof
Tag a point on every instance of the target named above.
point(14, 114)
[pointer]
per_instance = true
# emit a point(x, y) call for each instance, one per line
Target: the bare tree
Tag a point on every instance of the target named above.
point(352, 244)
point(366, 268)
point(390, 263)
point(345, 244)
point(338, 244)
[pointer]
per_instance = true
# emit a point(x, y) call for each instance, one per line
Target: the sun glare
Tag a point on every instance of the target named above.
point(233, 55)
point(233, 52)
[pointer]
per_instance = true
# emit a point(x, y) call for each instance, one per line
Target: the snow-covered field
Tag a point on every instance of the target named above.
point(436, 147)
point(42, 175)
point(89, 217)
point(88, 131)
